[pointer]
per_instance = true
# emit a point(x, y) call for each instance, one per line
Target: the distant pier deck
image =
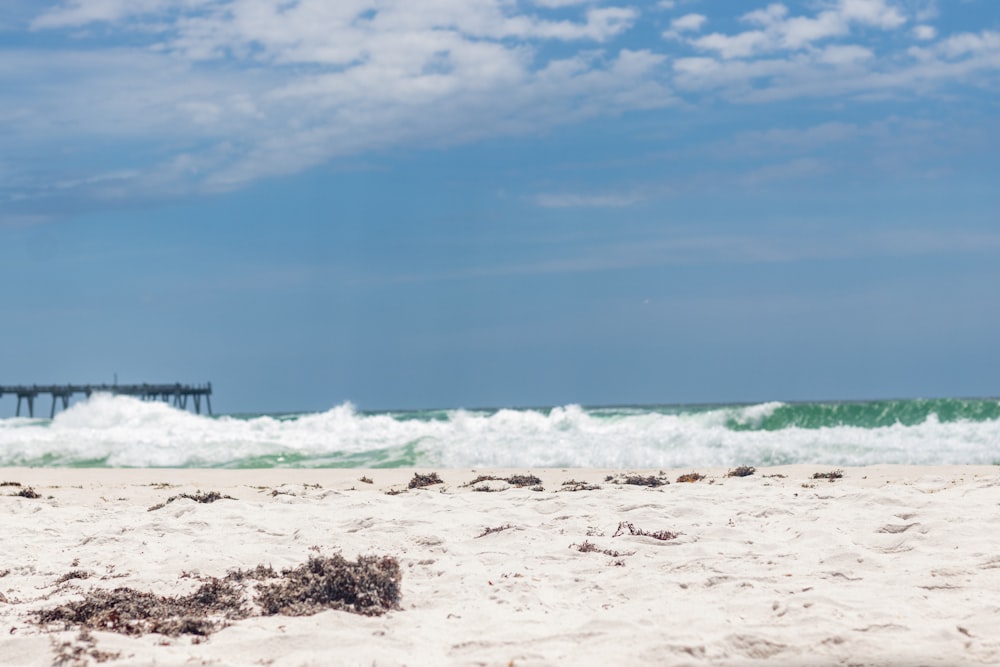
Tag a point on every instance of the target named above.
point(176, 393)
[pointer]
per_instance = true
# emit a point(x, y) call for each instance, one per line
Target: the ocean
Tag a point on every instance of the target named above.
point(118, 431)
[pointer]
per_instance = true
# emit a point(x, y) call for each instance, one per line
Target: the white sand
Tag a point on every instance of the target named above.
point(890, 565)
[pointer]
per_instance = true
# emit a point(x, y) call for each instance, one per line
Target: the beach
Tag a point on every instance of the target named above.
point(881, 565)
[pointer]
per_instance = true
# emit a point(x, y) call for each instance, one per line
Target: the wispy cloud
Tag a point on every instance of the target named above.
point(194, 96)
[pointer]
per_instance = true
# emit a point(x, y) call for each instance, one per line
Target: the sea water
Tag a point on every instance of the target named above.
point(119, 431)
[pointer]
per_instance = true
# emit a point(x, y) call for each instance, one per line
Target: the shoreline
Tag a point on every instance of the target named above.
point(886, 565)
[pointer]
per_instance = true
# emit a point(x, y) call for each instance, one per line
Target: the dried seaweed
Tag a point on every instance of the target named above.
point(741, 471)
point(198, 497)
point(835, 474)
point(627, 526)
point(574, 485)
point(133, 612)
point(368, 586)
point(638, 480)
point(259, 573)
point(483, 478)
point(365, 480)
point(76, 652)
point(420, 481)
point(10, 484)
point(589, 547)
point(73, 574)
point(523, 480)
point(690, 477)
point(490, 531)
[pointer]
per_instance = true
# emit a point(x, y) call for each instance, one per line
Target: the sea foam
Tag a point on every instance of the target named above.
point(120, 431)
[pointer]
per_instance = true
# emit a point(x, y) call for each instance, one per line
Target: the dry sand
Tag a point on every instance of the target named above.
point(890, 565)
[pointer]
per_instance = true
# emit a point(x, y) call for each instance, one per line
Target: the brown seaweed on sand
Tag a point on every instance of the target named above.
point(741, 471)
point(832, 475)
point(27, 492)
point(627, 526)
point(370, 586)
point(638, 480)
point(490, 531)
point(133, 612)
point(198, 497)
point(574, 485)
point(419, 481)
point(690, 477)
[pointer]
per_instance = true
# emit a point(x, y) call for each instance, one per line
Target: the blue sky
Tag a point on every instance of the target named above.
point(502, 202)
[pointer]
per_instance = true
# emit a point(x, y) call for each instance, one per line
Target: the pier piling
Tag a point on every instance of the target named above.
point(176, 393)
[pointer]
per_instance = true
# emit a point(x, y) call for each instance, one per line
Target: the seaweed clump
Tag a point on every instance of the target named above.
point(627, 526)
point(27, 492)
point(368, 586)
point(198, 497)
point(523, 480)
point(638, 480)
point(133, 612)
point(835, 474)
point(690, 477)
point(574, 485)
point(741, 471)
point(497, 529)
point(420, 481)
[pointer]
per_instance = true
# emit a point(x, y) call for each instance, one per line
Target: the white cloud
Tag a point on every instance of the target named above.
point(777, 31)
point(213, 94)
point(228, 91)
point(688, 23)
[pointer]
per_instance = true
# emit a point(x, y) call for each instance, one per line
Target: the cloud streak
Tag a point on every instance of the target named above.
point(194, 96)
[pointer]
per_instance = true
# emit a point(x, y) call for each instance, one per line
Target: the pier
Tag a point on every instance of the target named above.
point(177, 393)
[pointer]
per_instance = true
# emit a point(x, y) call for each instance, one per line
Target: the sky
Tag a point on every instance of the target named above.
point(469, 203)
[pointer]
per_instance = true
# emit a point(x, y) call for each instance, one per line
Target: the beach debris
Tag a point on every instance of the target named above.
point(627, 526)
point(10, 484)
point(690, 477)
point(369, 586)
point(574, 485)
point(741, 471)
point(490, 531)
point(514, 480)
point(483, 478)
point(27, 492)
point(366, 480)
point(73, 574)
point(589, 547)
point(638, 480)
point(394, 492)
point(486, 488)
point(420, 481)
point(523, 480)
point(258, 573)
point(832, 475)
point(77, 651)
point(132, 612)
point(198, 497)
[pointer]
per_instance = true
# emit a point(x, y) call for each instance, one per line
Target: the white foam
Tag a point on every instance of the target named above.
point(123, 431)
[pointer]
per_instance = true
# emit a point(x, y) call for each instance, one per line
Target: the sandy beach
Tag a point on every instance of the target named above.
point(886, 565)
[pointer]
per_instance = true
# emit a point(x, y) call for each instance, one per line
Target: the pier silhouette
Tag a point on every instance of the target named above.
point(176, 393)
